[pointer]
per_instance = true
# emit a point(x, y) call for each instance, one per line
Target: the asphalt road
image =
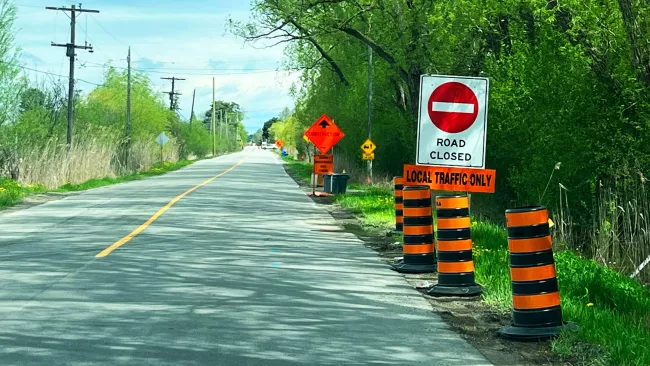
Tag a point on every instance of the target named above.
point(245, 270)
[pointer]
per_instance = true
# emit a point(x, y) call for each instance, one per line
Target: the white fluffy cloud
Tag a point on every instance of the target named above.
point(192, 44)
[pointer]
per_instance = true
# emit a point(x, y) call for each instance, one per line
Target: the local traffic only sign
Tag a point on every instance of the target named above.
point(451, 179)
point(324, 134)
point(368, 149)
point(452, 121)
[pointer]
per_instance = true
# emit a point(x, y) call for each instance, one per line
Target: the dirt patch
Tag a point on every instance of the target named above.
point(35, 200)
point(474, 320)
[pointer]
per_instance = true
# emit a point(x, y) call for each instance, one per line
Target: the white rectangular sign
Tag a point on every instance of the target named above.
point(452, 123)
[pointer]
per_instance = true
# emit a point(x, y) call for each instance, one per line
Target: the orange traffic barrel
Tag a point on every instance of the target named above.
point(455, 260)
point(419, 252)
point(399, 204)
point(535, 295)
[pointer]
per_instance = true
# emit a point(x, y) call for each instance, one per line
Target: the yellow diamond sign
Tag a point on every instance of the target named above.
point(304, 137)
point(368, 147)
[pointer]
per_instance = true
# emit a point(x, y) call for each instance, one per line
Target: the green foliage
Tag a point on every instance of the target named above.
point(569, 82)
point(157, 169)
point(12, 192)
point(612, 311)
point(10, 83)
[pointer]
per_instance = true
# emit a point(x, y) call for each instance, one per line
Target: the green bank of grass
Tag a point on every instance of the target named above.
point(612, 311)
point(13, 193)
point(301, 169)
point(157, 169)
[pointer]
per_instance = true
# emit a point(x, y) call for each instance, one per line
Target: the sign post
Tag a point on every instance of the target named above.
point(324, 134)
point(452, 121)
point(162, 140)
point(368, 148)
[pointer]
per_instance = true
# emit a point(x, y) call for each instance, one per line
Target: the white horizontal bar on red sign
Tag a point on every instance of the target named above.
point(452, 107)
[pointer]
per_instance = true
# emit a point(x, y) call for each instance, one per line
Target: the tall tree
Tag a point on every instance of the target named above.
point(10, 82)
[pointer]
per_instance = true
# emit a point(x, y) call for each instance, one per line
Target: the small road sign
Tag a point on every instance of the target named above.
point(324, 134)
point(323, 164)
point(452, 121)
point(370, 156)
point(450, 179)
point(279, 144)
point(162, 139)
point(368, 147)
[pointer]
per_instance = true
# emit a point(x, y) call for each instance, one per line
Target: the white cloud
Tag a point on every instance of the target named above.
point(189, 44)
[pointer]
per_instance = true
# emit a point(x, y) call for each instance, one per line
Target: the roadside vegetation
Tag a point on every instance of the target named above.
point(33, 126)
point(612, 310)
point(569, 84)
point(13, 193)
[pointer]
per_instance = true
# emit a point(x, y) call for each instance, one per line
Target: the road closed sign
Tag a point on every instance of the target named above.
point(452, 121)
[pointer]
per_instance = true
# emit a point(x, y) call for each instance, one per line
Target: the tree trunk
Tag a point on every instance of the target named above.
point(640, 57)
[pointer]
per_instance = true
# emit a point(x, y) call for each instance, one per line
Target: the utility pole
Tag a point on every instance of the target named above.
point(220, 123)
point(192, 114)
point(128, 109)
point(214, 150)
point(369, 107)
point(173, 93)
point(70, 52)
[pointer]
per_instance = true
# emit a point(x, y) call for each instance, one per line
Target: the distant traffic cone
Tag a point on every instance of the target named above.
point(419, 253)
point(455, 260)
point(399, 204)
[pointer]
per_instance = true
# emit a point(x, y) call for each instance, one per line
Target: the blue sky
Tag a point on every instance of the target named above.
point(186, 39)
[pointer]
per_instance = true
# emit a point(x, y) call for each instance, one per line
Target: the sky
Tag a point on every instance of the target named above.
point(186, 39)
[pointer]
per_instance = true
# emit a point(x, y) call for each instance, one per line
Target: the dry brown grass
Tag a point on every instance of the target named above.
point(91, 156)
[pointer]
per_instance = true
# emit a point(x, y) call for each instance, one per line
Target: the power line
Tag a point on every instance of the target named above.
point(48, 73)
point(155, 71)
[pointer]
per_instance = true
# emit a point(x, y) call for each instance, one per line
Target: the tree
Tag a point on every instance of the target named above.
point(267, 125)
point(10, 82)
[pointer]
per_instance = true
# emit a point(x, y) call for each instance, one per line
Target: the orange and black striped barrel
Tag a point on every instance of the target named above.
point(455, 260)
point(535, 294)
point(399, 204)
point(419, 253)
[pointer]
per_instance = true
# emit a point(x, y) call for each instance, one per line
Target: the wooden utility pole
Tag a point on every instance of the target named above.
point(192, 114)
point(214, 148)
point(173, 93)
point(128, 109)
point(369, 108)
point(70, 52)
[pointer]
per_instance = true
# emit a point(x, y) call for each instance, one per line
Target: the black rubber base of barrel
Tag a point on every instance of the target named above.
point(462, 291)
point(534, 334)
point(402, 267)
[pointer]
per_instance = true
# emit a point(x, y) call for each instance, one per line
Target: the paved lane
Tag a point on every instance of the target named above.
point(245, 270)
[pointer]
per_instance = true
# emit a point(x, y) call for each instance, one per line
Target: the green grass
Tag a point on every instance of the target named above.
point(13, 193)
point(301, 169)
point(157, 169)
point(612, 311)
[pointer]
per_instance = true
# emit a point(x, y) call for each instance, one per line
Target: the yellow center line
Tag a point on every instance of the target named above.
point(155, 217)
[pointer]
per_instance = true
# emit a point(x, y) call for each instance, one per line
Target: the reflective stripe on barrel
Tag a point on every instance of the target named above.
point(455, 262)
point(399, 204)
point(535, 292)
point(418, 226)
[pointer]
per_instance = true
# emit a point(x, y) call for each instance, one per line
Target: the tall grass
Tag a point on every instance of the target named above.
point(619, 237)
point(95, 153)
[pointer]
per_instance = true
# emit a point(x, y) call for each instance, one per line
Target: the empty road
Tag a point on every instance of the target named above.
point(243, 270)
